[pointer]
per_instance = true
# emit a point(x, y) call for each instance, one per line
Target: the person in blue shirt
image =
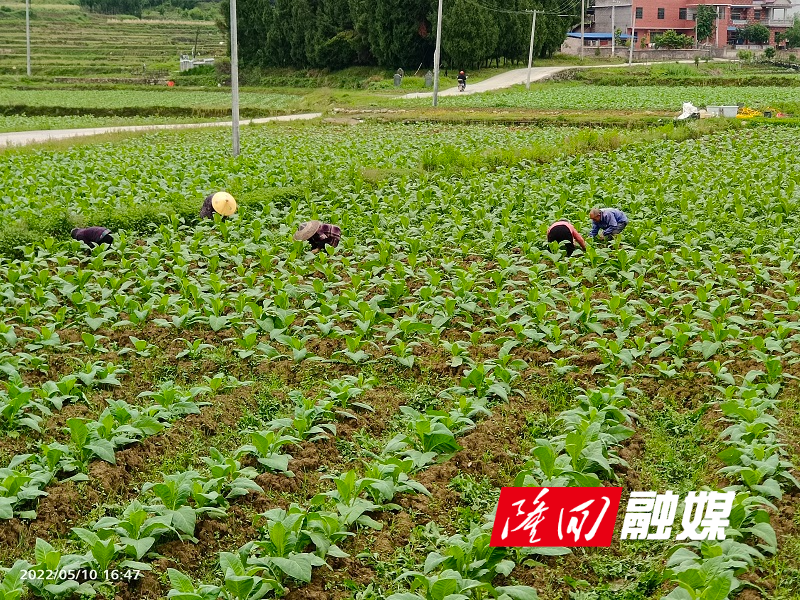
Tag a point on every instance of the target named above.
point(609, 221)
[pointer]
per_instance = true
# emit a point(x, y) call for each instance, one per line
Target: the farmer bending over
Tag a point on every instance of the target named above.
point(608, 221)
point(564, 231)
point(221, 203)
point(318, 234)
point(92, 236)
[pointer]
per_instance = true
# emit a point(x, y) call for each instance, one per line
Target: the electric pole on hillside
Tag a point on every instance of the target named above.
point(28, 34)
point(530, 52)
point(437, 55)
point(234, 80)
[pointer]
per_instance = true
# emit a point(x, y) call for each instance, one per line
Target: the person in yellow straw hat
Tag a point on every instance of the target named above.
point(318, 234)
point(221, 203)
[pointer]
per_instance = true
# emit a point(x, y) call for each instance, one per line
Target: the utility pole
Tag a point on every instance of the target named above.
point(530, 52)
point(613, 28)
point(234, 80)
point(436, 55)
point(583, 14)
point(633, 31)
point(28, 33)
point(716, 26)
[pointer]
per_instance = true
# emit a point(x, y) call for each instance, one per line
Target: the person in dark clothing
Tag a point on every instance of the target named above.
point(564, 231)
point(221, 203)
point(462, 78)
point(92, 236)
point(318, 234)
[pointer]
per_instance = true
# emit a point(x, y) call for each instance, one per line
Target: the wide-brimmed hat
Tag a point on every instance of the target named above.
point(223, 203)
point(306, 230)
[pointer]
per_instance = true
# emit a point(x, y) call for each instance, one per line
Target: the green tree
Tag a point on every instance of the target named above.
point(513, 42)
point(300, 31)
point(113, 7)
point(705, 21)
point(399, 32)
point(276, 44)
point(253, 20)
point(551, 30)
point(792, 35)
point(469, 34)
point(359, 13)
point(755, 33)
point(673, 39)
point(333, 43)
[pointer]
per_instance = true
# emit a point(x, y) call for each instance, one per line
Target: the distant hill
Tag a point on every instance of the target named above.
point(68, 41)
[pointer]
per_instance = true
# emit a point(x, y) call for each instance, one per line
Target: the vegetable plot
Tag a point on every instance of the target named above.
point(226, 414)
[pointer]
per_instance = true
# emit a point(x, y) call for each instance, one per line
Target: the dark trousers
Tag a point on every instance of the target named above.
point(562, 235)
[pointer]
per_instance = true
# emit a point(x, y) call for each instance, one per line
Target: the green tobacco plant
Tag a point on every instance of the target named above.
point(176, 401)
point(19, 485)
point(471, 556)
point(183, 588)
point(138, 529)
point(228, 480)
point(171, 500)
point(281, 547)
point(266, 447)
point(243, 581)
point(19, 410)
point(348, 501)
point(51, 562)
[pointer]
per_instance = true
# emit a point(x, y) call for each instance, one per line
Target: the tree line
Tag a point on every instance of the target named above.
point(132, 7)
point(333, 34)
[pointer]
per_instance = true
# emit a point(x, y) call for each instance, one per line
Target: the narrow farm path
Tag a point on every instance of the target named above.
point(23, 138)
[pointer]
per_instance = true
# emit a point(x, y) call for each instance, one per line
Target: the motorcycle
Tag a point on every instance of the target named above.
point(462, 85)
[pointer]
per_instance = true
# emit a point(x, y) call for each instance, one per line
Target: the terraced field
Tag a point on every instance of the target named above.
point(162, 102)
point(208, 410)
point(68, 42)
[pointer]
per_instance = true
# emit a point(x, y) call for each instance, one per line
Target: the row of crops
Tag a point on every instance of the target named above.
point(424, 351)
point(577, 96)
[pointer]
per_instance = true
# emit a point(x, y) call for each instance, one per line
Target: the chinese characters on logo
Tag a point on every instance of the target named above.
point(559, 516)
point(556, 516)
point(705, 516)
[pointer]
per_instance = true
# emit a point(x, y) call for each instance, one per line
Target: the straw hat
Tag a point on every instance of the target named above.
point(223, 203)
point(306, 230)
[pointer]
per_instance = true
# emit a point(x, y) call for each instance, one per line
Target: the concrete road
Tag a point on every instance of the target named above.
point(516, 77)
point(23, 138)
point(497, 82)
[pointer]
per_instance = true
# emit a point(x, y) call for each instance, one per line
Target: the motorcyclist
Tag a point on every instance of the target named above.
point(462, 79)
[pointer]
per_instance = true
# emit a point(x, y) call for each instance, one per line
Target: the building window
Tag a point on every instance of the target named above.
point(660, 13)
point(639, 11)
point(757, 15)
point(682, 13)
point(720, 12)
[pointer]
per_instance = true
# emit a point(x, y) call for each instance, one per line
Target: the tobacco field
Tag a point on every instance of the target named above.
point(208, 410)
point(577, 96)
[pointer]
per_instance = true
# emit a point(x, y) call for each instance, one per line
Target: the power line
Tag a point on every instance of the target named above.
point(521, 12)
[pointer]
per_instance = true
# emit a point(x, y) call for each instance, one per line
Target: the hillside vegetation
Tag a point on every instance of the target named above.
point(66, 41)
